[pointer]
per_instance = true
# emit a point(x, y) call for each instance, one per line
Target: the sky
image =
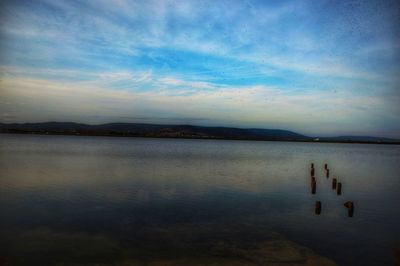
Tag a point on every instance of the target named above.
point(321, 68)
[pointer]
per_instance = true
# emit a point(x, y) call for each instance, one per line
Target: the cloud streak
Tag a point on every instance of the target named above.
point(168, 98)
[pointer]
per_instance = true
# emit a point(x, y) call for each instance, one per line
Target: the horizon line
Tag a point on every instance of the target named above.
point(194, 125)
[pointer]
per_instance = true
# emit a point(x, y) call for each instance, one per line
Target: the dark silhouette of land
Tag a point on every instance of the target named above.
point(179, 131)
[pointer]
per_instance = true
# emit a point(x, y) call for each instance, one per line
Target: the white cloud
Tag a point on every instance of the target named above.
point(261, 106)
point(171, 81)
point(235, 39)
point(128, 26)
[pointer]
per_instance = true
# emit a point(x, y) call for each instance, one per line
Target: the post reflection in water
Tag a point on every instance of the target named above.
point(334, 181)
point(313, 185)
point(350, 208)
point(318, 207)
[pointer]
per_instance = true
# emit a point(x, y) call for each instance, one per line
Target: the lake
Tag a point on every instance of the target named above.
point(75, 200)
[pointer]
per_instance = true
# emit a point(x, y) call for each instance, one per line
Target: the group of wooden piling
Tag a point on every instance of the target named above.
point(335, 186)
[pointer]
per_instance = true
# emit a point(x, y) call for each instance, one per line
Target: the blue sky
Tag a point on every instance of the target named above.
point(315, 67)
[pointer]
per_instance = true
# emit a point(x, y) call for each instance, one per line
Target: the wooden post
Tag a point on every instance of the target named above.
point(339, 188)
point(317, 207)
point(326, 166)
point(312, 165)
point(312, 172)
point(334, 183)
point(327, 172)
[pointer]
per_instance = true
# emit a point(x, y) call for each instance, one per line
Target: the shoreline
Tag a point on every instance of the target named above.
point(191, 137)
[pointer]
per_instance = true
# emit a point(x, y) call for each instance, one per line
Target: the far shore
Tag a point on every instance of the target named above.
point(99, 134)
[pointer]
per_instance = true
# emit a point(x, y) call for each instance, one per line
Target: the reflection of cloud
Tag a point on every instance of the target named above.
point(121, 170)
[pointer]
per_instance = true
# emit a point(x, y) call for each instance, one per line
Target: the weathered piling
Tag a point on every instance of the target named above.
point(339, 188)
point(327, 172)
point(350, 208)
point(334, 183)
point(326, 166)
point(312, 165)
point(317, 207)
point(312, 171)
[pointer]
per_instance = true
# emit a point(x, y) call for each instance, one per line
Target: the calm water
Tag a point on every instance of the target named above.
point(68, 200)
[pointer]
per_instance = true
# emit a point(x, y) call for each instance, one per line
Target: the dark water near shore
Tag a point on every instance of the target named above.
point(67, 200)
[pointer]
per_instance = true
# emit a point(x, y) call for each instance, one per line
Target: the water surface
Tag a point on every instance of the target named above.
point(68, 200)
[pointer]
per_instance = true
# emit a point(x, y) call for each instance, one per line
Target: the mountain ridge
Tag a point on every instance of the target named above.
point(178, 131)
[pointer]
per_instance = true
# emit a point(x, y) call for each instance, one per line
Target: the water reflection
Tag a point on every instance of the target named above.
point(134, 201)
point(313, 185)
point(339, 189)
point(350, 207)
point(318, 207)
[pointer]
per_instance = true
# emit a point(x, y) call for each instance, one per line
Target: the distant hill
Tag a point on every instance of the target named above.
point(175, 131)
